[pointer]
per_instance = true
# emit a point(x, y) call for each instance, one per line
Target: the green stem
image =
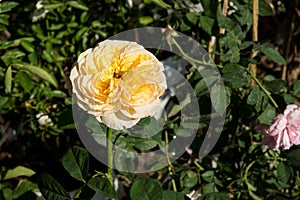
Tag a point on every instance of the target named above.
point(77, 194)
point(170, 166)
point(188, 57)
point(262, 88)
point(110, 157)
point(199, 166)
point(244, 178)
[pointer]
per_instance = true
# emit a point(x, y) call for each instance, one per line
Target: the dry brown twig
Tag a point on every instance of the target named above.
point(254, 36)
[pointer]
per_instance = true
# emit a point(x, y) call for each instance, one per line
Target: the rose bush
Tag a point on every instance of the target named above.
point(39, 42)
point(119, 82)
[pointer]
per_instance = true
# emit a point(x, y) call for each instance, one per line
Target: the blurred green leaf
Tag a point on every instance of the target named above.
point(192, 17)
point(86, 193)
point(78, 5)
point(269, 78)
point(254, 96)
point(184, 26)
point(267, 116)
point(4, 19)
point(33, 58)
point(188, 179)
point(216, 196)
point(296, 87)
point(43, 74)
point(51, 189)
point(284, 172)
point(7, 44)
point(210, 7)
point(13, 54)
point(76, 162)
point(7, 194)
point(246, 44)
point(218, 98)
point(208, 176)
point(80, 33)
point(55, 27)
point(275, 86)
point(47, 56)
point(144, 20)
point(265, 9)
point(293, 157)
point(144, 144)
point(102, 186)
point(7, 6)
point(52, 5)
point(73, 24)
point(146, 127)
point(146, 188)
point(84, 17)
point(235, 75)
point(207, 24)
point(232, 40)
point(59, 94)
point(3, 101)
point(171, 195)
point(95, 126)
point(8, 80)
point(177, 108)
point(273, 54)
point(124, 160)
point(160, 3)
point(289, 99)
point(245, 18)
point(28, 46)
point(65, 120)
point(18, 171)
point(2, 27)
point(23, 187)
point(25, 80)
point(209, 188)
point(224, 21)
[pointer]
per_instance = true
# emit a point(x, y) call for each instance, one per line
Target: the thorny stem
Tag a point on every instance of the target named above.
point(190, 58)
point(110, 157)
point(262, 88)
point(170, 166)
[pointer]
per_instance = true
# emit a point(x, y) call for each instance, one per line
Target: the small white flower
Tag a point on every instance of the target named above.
point(39, 5)
point(189, 150)
point(129, 3)
point(193, 196)
point(44, 119)
point(39, 12)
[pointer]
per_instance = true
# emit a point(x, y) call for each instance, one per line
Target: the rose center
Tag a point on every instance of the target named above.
point(117, 75)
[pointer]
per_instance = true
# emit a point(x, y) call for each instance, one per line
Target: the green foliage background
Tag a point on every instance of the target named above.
point(39, 42)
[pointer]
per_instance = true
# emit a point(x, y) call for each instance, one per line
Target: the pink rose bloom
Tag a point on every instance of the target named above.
point(285, 130)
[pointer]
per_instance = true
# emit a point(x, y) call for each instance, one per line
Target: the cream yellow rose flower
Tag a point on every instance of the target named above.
point(119, 82)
